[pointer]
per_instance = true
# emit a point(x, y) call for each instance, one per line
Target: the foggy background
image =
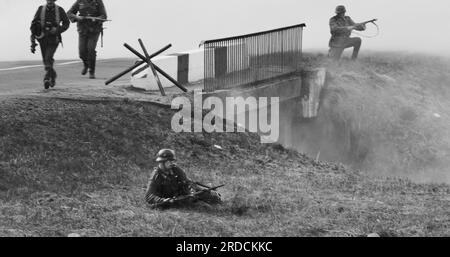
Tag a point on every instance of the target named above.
point(411, 25)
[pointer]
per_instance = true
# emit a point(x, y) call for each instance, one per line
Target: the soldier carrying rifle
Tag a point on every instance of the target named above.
point(341, 28)
point(170, 187)
point(92, 14)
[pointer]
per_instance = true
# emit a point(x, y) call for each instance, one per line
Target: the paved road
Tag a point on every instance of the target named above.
point(26, 77)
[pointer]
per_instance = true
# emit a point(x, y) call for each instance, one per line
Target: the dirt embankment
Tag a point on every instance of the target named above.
point(386, 114)
point(80, 167)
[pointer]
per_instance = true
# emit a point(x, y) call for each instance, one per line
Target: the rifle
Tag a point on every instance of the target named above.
point(184, 197)
point(94, 18)
point(365, 22)
point(200, 184)
point(196, 194)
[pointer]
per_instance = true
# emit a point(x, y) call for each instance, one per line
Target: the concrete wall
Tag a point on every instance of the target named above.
point(247, 115)
point(299, 95)
point(314, 81)
point(284, 89)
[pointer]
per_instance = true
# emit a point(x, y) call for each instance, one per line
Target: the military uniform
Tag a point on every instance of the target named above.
point(46, 19)
point(340, 37)
point(171, 183)
point(89, 31)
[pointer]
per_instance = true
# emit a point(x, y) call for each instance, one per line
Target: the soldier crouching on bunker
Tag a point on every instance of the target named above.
point(170, 187)
point(47, 29)
point(341, 27)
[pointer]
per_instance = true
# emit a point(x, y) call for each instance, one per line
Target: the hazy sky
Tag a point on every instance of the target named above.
point(413, 25)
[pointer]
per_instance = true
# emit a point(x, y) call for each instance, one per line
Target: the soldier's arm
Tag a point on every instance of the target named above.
point(335, 28)
point(37, 16)
point(359, 27)
point(102, 10)
point(72, 13)
point(150, 195)
point(65, 21)
point(356, 26)
point(186, 183)
point(154, 200)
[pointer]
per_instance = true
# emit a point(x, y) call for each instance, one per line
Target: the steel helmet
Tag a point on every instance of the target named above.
point(340, 9)
point(165, 155)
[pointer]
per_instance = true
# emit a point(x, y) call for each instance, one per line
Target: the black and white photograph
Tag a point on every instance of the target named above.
point(213, 119)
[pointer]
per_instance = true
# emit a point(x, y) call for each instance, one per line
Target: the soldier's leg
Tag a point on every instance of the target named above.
point(43, 48)
point(43, 44)
point(335, 52)
point(354, 42)
point(51, 53)
point(83, 51)
point(92, 53)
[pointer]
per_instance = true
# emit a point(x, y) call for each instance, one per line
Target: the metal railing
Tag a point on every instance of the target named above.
point(249, 59)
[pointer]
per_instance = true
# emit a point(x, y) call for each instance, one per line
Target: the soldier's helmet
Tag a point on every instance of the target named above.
point(340, 9)
point(165, 155)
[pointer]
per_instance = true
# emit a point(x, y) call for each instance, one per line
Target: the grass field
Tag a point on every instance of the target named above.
point(81, 167)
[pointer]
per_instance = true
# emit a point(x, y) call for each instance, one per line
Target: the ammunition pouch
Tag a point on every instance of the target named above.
point(90, 27)
point(36, 30)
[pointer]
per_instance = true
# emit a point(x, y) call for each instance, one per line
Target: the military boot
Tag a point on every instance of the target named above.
point(47, 79)
point(84, 70)
point(53, 76)
point(85, 67)
point(47, 83)
point(92, 70)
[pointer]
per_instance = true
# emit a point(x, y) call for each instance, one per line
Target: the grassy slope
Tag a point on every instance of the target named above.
point(81, 167)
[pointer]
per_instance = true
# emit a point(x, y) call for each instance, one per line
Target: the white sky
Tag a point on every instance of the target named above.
point(410, 25)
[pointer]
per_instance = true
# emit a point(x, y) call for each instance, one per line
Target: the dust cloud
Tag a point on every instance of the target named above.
point(386, 115)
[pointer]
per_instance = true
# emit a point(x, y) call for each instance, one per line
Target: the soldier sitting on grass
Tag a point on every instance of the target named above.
point(170, 187)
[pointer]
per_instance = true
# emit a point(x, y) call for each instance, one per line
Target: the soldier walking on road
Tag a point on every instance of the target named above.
point(46, 27)
point(170, 187)
point(341, 27)
point(90, 15)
